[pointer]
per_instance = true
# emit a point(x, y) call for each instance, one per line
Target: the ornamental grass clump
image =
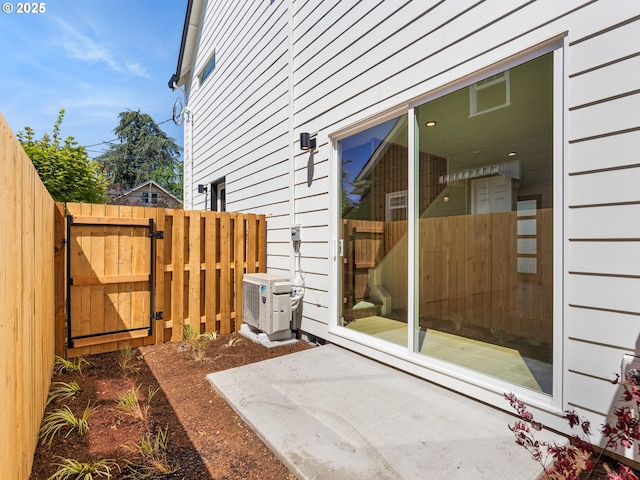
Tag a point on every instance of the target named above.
point(63, 419)
point(127, 361)
point(62, 365)
point(196, 343)
point(574, 460)
point(129, 402)
point(70, 469)
point(62, 390)
point(152, 462)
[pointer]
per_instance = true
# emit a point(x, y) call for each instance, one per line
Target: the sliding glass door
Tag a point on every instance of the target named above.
point(374, 204)
point(481, 196)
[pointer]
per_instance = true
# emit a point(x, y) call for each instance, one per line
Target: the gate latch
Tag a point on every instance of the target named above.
point(156, 316)
point(159, 234)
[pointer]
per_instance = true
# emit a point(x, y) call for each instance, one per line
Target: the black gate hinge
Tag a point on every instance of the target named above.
point(156, 316)
point(159, 234)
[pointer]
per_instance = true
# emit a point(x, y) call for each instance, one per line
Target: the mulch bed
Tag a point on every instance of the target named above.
point(205, 437)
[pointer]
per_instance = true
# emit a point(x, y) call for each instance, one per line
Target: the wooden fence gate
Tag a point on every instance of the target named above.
point(110, 279)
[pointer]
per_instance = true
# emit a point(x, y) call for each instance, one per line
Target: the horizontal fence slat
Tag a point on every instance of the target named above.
point(114, 221)
point(112, 337)
point(104, 280)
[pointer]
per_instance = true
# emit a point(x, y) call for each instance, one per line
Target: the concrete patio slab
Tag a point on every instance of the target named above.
point(329, 413)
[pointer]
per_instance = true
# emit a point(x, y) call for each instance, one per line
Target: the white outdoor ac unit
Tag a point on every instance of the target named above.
point(266, 302)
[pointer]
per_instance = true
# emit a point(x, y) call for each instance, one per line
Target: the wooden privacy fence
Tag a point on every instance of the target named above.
point(27, 303)
point(132, 276)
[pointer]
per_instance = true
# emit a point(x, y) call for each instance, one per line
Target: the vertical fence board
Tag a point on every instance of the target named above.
point(159, 304)
point(240, 261)
point(262, 244)
point(60, 250)
point(177, 280)
point(194, 270)
point(225, 274)
point(212, 249)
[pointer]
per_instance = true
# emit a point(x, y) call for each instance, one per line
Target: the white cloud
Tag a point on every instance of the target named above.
point(81, 47)
point(138, 70)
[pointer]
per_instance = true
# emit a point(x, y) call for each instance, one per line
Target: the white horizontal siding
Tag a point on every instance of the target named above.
point(597, 51)
point(609, 293)
point(311, 171)
point(315, 218)
point(611, 222)
point(259, 201)
point(622, 258)
point(602, 322)
point(622, 329)
point(621, 114)
point(605, 187)
point(349, 50)
point(594, 394)
point(617, 79)
point(601, 361)
point(606, 152)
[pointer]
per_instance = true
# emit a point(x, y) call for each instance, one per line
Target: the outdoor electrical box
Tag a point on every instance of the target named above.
point(295, 233)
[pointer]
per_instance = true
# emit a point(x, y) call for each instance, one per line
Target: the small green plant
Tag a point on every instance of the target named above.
point(129, 402)
point(61, 419)
point(196, 343)
point(127, 360)
point(209, 335)
point(62, 365)
point(234, 341)
point(189, 334)
point(63, 390)
point(70, 469)
point(153, 462)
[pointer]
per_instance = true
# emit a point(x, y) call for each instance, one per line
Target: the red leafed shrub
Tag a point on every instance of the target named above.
point(570, 461)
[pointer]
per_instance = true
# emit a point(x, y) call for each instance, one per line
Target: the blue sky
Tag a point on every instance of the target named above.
point(95, 59)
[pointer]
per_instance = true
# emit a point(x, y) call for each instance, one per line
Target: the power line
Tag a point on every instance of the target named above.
point(113, 140)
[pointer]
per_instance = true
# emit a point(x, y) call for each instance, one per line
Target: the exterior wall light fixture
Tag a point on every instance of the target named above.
point(202, 189)
point(307, 142)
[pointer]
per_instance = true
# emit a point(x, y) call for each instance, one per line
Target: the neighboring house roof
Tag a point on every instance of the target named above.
point(152, 183)
point(362, 181)
point(149, 185)
point(190, 33)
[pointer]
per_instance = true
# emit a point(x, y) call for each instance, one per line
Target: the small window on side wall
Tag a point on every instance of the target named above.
point(208, 68)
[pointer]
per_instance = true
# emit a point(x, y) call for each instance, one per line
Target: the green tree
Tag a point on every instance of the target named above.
point(142, 152)
point(170, 179)
point(64, 167)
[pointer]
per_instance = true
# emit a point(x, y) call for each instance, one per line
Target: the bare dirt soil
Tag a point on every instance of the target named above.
point(205, 439)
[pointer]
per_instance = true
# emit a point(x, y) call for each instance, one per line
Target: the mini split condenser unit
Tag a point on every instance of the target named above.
point(266, 302)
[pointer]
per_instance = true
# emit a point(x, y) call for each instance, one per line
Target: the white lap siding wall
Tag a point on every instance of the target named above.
point(322, 67)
